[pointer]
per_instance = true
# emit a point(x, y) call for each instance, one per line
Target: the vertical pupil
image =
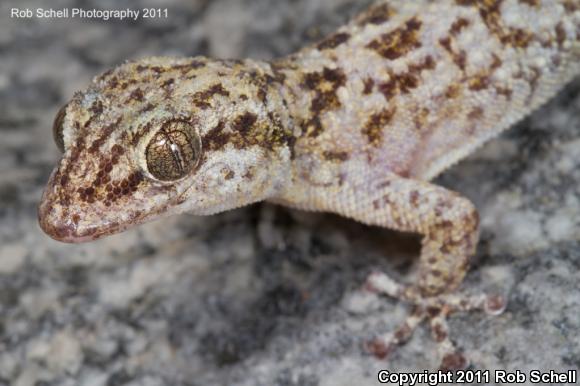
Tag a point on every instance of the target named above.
point(177, 156)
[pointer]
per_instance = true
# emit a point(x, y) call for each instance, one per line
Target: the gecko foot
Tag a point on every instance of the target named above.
point(433, 310)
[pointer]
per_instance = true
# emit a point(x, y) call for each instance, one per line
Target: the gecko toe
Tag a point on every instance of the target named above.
point(433, 310)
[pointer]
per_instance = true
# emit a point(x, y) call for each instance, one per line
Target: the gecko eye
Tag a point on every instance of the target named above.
point(57, 128)
point(173, 151)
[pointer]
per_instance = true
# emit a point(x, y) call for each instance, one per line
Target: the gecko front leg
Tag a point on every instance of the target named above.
point(449, 224)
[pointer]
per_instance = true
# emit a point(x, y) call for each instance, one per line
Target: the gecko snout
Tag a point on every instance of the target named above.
point(58, 222)
point(76, 213)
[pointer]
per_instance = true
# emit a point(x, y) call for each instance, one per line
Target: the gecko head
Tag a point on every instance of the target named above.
point(162, 136)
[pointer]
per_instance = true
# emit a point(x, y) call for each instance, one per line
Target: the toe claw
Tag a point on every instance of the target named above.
point(453, 361)
point(378, 347)
point(495, 304)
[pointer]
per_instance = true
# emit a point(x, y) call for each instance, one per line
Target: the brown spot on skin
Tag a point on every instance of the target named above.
point(414, 198)
point(247, 130)
point(407, 82)
point(398, 83)
point(490, 13)
point(105, 74)
point(571, 5)
point(262, 95)
point(446, 43)
point(337, 156)
point(216, 138)
point(495, 63)
point(202, 98)
point(201, 104)
point(459, 58)
point(313, 127)
point(376, 14)
point(384, 184)
point(475, 114)
point(168, 83)
point(428, 63)
point(149, 107)
point(263, 82)
point(388, 89)
point(517, 37)
point(229, 175)
point(399, 42)
point(334, 41)
point(75, 154)
point(117, 149)
point(531, 3)
point(420, 119)
point(136, 95)
point(560, 35)
point(375, 126)
point(452, 91)
point(458, 25)
point(105, 134)
point(532, 78)
point(113, 83)
point(479, 82)
point(97, 107)
point(325, 84)
point(278, 74)
point(244, 122)
point(369, 84)
point(506, 92)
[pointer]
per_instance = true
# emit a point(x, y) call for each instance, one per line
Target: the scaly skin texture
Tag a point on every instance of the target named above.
point(356, 125)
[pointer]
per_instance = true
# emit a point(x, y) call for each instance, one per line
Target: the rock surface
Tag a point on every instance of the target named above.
point(262, 295)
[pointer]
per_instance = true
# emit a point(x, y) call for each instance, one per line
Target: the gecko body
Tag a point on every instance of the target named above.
point(357, 124)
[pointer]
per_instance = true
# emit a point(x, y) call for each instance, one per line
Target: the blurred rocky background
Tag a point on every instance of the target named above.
point(262, 295)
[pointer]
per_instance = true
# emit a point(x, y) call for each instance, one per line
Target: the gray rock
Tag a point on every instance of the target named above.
point(262, 295)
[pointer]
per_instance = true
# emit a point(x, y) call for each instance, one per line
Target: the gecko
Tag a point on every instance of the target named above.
point(357, 124)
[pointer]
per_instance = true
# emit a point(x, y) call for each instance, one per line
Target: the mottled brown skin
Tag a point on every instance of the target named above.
point(356, 125)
